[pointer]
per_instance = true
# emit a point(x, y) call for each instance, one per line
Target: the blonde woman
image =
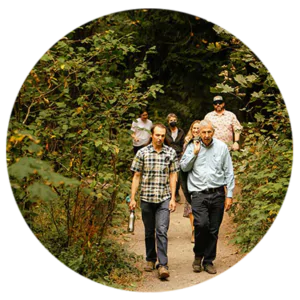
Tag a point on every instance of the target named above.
point(192, 136)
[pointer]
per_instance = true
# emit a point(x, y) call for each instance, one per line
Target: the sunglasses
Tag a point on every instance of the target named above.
point(218, 102)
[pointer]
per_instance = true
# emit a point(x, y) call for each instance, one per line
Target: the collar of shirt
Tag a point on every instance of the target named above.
point(216, 114)
point(210, 145)
point(163, 149)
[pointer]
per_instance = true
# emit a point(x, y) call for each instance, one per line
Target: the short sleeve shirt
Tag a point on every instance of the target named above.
point(155, 168)
point(225, 125)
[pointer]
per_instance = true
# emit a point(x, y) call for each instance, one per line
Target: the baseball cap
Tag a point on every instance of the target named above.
point(218, 98)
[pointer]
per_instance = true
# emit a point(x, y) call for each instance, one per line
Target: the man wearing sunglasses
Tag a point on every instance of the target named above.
point(226, 125)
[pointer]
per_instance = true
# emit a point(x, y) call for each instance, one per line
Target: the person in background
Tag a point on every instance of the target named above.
point(175, 139)
point(209, 166)
point(226, 125)
point(156, 166)
point(193, 132)
point(141, 131)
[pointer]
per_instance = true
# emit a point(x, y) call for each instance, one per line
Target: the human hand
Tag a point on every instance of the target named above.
point(235, 146)
point(196, 147)
point(132, 204)
point(172, 205)
point(228, 203)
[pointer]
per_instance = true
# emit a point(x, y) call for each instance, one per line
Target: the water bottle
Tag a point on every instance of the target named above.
point(131, 221)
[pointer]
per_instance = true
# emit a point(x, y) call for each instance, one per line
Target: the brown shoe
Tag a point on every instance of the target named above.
point(209, 268)
point(197, 264)
point(150, 266)
point(163, 272)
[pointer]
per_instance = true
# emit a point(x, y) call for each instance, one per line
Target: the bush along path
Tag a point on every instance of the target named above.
point(180, 253)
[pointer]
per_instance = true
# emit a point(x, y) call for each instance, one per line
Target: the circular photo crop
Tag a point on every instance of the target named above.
point(149, 150)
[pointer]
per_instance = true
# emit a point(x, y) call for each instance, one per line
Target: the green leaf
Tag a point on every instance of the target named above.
point(34, 148)
point(46, 57)
point(98, 143)
point(222, 88)
point(61, 104)
point(20, 170)
point(211, 47)
point(259, 117)
point(59, 180)
point(84, 132)
point(251, 78)
point(87, 191)
point(257, 95)
point(241, 80)
point(41, 191)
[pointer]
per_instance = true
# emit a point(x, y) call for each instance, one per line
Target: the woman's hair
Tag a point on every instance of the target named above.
point(189, 136)
point(171, 115)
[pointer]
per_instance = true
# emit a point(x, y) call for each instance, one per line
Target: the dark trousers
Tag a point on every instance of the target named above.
point(156, 218)
point(208, 211)
point(177, 184)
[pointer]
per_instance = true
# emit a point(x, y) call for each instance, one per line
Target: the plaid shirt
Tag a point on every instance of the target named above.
point(155, 168)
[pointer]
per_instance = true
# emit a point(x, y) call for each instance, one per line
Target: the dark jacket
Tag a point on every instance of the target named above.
point(177, 145)
point(183, 181)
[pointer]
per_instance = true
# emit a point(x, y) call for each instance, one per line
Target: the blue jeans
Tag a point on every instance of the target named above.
point(208, 211)
point(156, 218)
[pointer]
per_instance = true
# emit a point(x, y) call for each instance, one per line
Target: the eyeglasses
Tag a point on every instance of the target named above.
point(218, 102)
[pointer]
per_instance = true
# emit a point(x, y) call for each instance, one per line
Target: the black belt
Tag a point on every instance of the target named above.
point(210, 191)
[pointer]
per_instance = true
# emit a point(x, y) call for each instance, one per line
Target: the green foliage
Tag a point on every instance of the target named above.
point(263, 172)
point(183, 65)
point(69, 146)
point(109, 263)
point(263, 167)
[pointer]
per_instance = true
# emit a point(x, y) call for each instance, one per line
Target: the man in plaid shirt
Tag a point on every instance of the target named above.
point(156, 166)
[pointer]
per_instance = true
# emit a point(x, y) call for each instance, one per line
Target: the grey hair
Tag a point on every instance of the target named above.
point(205, 123)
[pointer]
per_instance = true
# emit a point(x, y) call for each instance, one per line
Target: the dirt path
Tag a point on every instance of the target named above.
point(180, 253)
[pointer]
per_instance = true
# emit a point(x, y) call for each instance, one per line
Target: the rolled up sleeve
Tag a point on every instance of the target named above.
point(229, 175)
point(188, 159)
